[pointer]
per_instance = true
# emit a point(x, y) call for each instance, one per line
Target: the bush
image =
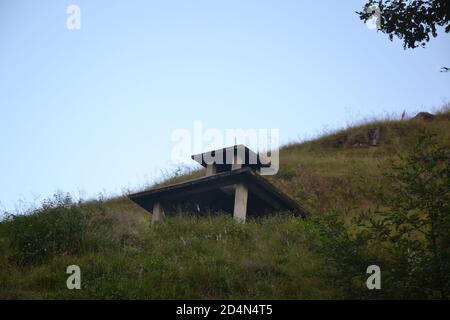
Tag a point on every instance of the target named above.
point(58, 227)
point(409, 237)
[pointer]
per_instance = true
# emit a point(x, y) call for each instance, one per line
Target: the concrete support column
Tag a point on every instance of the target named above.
point(237, 162)
point(240, 202)
point(158, 212)
point(211, 169)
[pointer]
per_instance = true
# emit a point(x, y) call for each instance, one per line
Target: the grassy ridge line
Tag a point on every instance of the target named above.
point(324, 176)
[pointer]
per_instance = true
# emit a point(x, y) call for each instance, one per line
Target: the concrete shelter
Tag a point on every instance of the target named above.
point(232, 184)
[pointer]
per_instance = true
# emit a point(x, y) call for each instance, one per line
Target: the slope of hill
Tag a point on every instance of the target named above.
point(121, 255)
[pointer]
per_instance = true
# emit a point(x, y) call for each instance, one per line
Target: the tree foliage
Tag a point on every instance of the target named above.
point(413, 21)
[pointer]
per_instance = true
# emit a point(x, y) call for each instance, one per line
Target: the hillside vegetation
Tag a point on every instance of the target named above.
point(339, 177)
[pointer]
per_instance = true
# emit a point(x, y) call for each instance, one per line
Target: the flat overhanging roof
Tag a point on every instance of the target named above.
point(215, 192)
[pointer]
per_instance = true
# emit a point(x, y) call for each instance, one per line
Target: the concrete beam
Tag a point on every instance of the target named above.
point(158, 212)
point(240, 202)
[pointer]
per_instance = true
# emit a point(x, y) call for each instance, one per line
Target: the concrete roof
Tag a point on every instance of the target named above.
point(224, 157)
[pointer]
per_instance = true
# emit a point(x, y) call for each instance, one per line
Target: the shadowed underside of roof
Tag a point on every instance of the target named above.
point(216, 193)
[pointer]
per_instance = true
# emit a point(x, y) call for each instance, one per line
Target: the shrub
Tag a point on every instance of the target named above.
point(409, 237)
point(58, 227)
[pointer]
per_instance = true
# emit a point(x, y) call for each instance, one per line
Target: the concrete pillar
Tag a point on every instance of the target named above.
point(158, 212)
point(237, 162)
point(240, 202)
point(211, 169)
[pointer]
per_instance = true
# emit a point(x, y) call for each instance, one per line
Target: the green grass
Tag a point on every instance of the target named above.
point(123, 256)
point(186, 257)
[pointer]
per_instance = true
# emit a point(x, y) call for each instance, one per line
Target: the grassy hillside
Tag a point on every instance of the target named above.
point(122, 255)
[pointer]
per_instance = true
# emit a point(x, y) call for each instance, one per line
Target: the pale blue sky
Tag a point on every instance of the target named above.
point(93, 109)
